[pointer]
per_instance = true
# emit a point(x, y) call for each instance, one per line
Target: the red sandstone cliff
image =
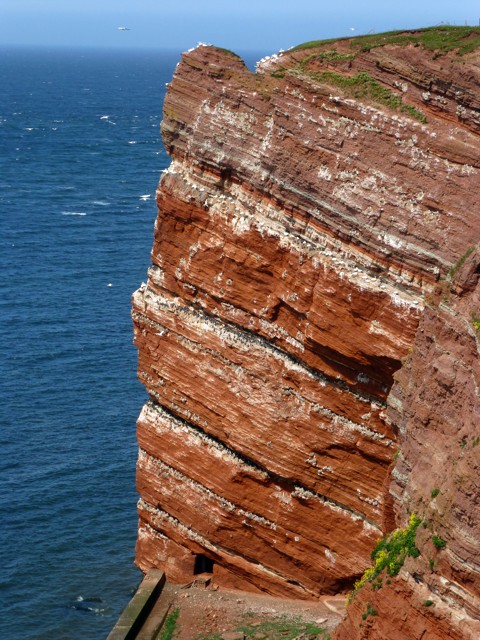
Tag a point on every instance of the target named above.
point(308, 211)
point(435, 407)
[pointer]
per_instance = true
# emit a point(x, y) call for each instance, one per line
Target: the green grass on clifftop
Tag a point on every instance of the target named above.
point(228, 51)
point(437, 39)
point(363, 86)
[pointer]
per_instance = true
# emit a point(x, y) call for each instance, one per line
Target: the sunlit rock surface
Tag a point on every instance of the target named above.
point(300, 229)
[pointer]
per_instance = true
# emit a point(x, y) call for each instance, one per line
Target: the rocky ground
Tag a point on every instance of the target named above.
point(207, 614)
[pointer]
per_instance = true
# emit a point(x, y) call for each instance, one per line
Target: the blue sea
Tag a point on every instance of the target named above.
point(80, 158)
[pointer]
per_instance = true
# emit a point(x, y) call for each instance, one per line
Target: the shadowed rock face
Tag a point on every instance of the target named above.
point(435, 406)
point(299, 230)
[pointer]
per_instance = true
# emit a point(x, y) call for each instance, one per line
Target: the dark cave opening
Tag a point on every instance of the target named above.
point(202, 565)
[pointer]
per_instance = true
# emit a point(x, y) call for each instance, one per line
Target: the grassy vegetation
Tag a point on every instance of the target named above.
point(390, 554)
point(283, 628)
point(437, 39)
point(311, 44)
point(454, 269)
point(231, 53)
point(332, 55)
point(170, 623)
point(369, 611)
point(438, 543)
point(362, 86)
point(476, 322)
point(475, 440)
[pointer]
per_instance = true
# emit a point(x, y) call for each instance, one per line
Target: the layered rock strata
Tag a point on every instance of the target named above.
point(299, 229)
point(435, 405)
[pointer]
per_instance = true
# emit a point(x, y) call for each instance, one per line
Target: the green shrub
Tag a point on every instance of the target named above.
point(438, 543)
point(435, 492)
point(377, 584)
point(390, 553)
point(369, 611)
point(428, 603)
point(476, 322)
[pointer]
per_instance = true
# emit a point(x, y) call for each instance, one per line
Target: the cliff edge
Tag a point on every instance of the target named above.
point(311, 214)
point(432, 590)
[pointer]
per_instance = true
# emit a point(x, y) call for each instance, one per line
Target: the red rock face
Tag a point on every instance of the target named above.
point(298, 232)
point(435, 406)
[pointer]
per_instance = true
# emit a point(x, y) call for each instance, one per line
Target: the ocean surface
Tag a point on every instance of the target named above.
point(80, 158)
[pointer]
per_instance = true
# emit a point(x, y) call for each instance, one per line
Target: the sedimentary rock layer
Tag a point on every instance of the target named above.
point(299, 229)
point(435, 405)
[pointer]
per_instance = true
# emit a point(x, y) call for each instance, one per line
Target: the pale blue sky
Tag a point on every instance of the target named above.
point(235, 24)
